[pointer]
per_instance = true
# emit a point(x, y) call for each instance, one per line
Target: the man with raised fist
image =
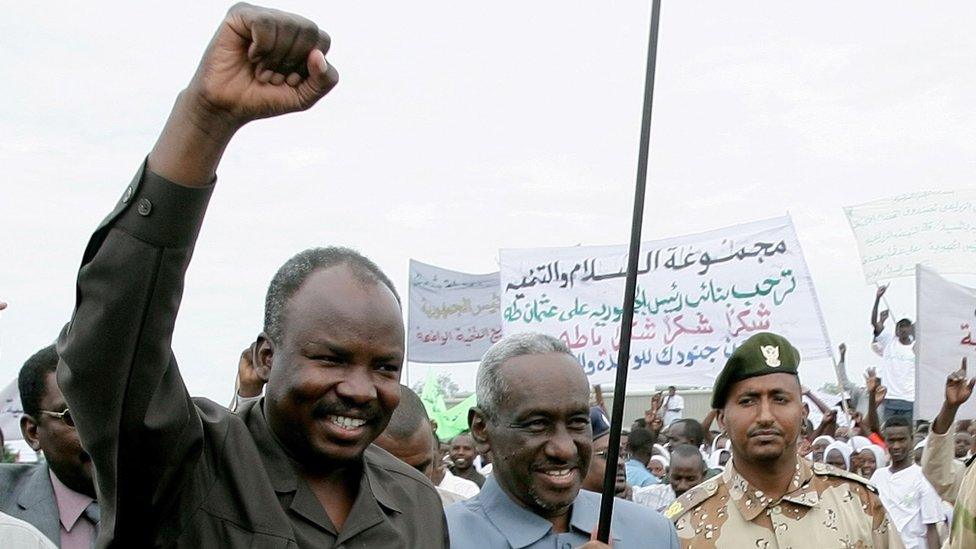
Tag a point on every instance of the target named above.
point(296, 468)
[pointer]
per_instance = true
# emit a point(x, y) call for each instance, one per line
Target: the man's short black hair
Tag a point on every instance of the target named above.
point(409, 416)
point(688, 451)
point(31, 381)
point(904, 323)
point(641, 441)
point(694, 429)
point(898, 421)
point(293, 273)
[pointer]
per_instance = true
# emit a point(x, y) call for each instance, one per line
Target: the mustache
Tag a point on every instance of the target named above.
point(324, 409)
point(765, 431)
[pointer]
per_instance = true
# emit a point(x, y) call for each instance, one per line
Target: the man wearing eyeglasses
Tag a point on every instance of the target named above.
point(57, 495)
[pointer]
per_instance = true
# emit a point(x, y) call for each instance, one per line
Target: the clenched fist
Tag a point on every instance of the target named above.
point(261, 63)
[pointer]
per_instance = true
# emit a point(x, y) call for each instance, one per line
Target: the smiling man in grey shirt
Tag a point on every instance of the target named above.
point(533, 415)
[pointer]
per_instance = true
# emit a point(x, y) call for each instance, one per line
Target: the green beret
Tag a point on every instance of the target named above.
point(760, 355)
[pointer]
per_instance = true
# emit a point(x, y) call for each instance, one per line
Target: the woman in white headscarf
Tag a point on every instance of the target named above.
point(658, 466)
point(820, 444)
point(870, 459)
point(838, 454)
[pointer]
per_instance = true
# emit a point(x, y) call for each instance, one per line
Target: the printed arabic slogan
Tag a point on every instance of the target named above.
point(946, 331)
point(453, 317)
point(936, 228)
point(698, 297)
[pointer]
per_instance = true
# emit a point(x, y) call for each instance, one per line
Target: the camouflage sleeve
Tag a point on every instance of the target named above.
point(939, 465)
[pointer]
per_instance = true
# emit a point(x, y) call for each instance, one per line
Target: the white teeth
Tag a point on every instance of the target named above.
point(559, 473)
point(347, 422)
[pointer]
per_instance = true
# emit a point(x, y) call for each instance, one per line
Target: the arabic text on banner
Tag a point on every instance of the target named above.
point(452, 317)
point(946, 332)
point(934, 228)
point(698, 298)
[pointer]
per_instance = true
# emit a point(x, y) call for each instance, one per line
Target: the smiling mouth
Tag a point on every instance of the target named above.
point(560, 478)
point(346, 423)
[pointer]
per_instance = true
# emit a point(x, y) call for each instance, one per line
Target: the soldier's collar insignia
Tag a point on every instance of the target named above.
point(771, 354)
point(674, 510)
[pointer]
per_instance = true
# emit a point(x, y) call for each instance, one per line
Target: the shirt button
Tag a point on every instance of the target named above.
point(127, 195)
point(777, 510)
point(145, 207)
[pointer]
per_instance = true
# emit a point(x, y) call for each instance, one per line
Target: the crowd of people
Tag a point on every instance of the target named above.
point(323, 447)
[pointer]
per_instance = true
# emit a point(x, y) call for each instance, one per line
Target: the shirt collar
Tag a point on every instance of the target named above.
point(282, 470)
point(71, 504)
point(521, 527)
point(751, 501)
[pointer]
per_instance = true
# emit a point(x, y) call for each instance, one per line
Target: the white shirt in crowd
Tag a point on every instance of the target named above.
point(911, 502)
point(460, 486)
point(17, 533)
point(674, 407)
point(897, 370)
point(657, 496)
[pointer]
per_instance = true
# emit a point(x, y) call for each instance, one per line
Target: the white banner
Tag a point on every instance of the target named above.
point(934, 228)
point(698, 297)
point(946, 332)
point(10, 412)
point(453, 317)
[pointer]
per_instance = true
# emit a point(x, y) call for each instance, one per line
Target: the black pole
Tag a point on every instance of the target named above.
point(630, 290)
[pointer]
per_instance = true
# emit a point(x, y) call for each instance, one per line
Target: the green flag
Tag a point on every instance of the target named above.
point(450, 423)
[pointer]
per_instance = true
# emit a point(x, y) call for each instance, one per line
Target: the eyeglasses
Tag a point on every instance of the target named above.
point(64, 416)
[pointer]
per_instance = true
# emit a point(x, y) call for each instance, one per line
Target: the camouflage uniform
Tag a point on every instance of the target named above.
point(825, 508)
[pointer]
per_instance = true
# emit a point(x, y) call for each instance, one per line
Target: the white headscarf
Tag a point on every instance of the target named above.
point(859, 443)
point(663, 460)
point(879, 455)
point(829, 439)
point(844, 449)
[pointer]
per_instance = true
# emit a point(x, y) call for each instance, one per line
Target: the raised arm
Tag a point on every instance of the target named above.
point(877, 321)
point(118, 372)
point(938, 460)
point(876, 392)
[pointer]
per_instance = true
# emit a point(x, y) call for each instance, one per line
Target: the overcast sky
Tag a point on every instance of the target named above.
point(459, 128)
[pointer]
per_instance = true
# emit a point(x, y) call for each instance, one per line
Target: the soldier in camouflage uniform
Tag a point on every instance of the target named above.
point(768, 496)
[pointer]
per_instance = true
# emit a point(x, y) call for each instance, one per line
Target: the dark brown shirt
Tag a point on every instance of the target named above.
point(176, 471)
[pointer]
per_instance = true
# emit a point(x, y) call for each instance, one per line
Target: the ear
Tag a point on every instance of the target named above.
point(28, 427)
point(262, 356)
point(720, 417)
point(478, 423)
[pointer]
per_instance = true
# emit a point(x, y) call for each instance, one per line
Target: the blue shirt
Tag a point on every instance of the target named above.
point(493, 520)
point(638, 475)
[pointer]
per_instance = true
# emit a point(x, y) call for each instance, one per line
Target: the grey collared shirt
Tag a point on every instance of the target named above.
point(493, 520)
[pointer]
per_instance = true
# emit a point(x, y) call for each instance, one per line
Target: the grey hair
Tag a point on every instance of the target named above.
point(490, 387)
point(293, 273)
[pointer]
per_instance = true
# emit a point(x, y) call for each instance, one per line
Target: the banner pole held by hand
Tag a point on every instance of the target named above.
point(630, 289)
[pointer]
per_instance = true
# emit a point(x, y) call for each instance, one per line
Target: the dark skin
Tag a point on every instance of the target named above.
point(540, 438)
point(462, 453)
point(339, 360)
point(763, 416)
point(593, 481)
point(417, 451)
point(835, 458)
point(678, 434)
point(686, 473)
point(899, 440)
point(59, 441)
point(963, 442)
point(867, 463)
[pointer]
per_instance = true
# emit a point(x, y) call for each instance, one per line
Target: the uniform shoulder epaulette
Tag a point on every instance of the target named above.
point(693, 498)
point(824, 470)
point(969, 460)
